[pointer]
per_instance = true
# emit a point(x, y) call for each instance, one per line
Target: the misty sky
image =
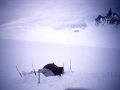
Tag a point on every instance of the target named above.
point(51, 11)
point(36, 19)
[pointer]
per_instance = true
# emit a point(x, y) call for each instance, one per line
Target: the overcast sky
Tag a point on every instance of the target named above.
point(22, 19)
point(49, 11)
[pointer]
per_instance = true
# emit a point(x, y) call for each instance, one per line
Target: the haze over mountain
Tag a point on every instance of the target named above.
point(55, 21)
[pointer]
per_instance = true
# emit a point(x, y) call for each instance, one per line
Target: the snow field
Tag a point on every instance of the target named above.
point(93, 67)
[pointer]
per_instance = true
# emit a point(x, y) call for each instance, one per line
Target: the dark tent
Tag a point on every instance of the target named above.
point(52, 70)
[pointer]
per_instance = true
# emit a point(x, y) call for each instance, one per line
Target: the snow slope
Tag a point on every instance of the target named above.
point(94, 68)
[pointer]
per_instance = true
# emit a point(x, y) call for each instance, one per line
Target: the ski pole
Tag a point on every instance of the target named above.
point(63, 68)
point(70, 66)
point(33, 69)
point(38, 76)
point(18, 71)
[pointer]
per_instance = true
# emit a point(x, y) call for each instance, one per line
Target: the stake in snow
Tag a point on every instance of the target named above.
point(18, 71)
point(33, 69)
point(38, 76)
point(70, 66)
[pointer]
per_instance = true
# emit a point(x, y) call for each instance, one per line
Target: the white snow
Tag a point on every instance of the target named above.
point(94, 68)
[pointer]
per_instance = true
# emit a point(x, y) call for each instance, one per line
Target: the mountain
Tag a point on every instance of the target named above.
point(110, 18)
